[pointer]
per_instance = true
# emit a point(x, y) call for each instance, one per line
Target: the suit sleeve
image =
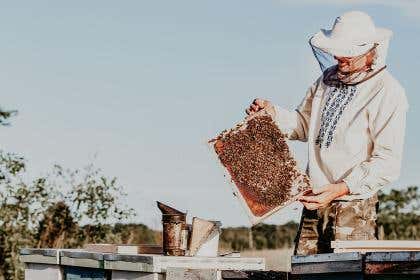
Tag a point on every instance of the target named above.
point(295, 124)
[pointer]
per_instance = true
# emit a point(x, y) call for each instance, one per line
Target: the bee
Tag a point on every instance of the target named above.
point(259, 161)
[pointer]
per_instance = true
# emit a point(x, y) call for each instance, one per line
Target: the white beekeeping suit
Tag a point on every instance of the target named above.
point(355, 130)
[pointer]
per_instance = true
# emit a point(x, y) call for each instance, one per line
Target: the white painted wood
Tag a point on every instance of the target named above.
point(129, 266)
point(81, 262)
point(117, 248)
point(162, 263)
point(363, 246)
point(146, 264)
point(38, 259)
point(331, 257)
point(159, 264)
point(36, 271)
point(366, 250)
point(134, 275)
point(192, 274)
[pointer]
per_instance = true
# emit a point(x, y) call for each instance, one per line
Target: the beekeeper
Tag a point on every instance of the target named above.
point(353, 118)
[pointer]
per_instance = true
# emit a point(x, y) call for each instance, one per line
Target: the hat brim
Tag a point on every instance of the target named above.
point(348, 47)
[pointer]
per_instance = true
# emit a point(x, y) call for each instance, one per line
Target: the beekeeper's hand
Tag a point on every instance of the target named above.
point(323, 196)
point(261, 104)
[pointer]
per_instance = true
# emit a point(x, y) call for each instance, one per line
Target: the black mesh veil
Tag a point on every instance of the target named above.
point(325, 60)
point(329, 65)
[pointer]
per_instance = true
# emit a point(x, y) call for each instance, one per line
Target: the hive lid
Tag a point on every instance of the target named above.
point(260, 166)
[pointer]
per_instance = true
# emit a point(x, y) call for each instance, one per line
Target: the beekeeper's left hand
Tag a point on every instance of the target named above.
point(320, 198)
point(261, 104)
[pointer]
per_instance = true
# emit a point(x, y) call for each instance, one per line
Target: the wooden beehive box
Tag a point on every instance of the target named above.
point(259, 164)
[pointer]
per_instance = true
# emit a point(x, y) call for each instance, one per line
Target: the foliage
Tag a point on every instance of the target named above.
point(43, 213)
point(118, 234)
point(263, 236)
point(399, 214)
point(5, 115)
point(93, 197)
point(48, 211)
point(236, 239)
point(57, 228)
point(37, 215)
point(136, 234)
point(21, 205)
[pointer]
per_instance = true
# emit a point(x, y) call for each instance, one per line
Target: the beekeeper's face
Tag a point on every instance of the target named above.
point(352, 64)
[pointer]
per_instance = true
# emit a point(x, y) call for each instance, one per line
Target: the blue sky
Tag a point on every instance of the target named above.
point(137, 87)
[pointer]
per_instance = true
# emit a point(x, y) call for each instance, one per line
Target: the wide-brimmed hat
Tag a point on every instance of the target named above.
point(353, 34)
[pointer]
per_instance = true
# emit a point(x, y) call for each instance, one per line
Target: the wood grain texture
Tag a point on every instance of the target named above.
point(392, 263)
point(192, 274)
point(131, 275)
point(327, 267)
point(255, 275)
point(376, 245)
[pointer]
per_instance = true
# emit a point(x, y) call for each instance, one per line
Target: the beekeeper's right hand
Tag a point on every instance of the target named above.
point(261, 104)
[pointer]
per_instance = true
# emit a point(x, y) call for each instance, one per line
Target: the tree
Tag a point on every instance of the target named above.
point(399, 214)
point(93, 197)
point(6, 115)
point(57, 228)
point(47, 211)
point(264, 237)
point(21, 206)
point(37, 215)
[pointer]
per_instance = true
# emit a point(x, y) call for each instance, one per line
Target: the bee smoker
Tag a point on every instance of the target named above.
point(175, 231)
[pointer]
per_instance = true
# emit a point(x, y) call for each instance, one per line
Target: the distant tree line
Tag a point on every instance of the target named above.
point(259, 237)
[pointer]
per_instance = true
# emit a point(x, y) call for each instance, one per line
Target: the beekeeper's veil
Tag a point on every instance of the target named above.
point(353, 34)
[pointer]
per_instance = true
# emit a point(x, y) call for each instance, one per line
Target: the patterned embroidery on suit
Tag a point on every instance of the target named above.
point(337, 100)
